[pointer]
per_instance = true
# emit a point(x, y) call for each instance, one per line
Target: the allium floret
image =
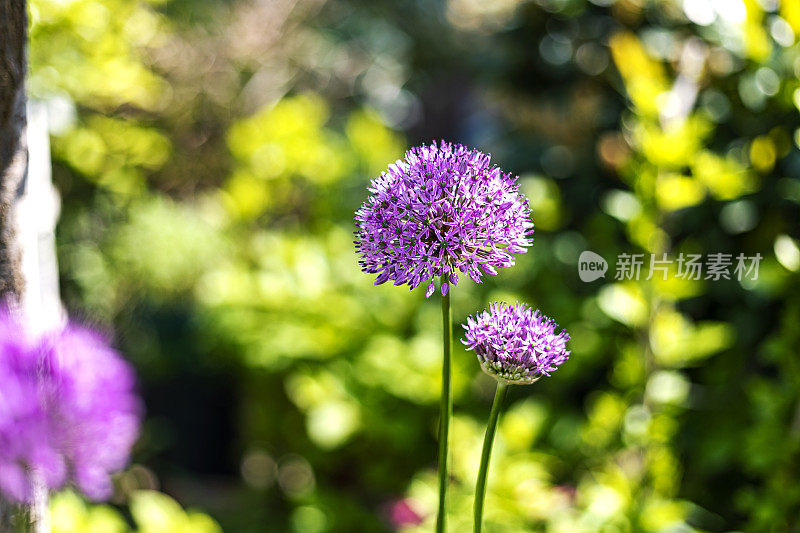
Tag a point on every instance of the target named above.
point(441, 210)
point(515, 344)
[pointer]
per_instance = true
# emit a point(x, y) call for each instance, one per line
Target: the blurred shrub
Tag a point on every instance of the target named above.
point(152, 513)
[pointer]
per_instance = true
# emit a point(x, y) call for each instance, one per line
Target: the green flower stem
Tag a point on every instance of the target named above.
point(446, 411)
point(33, 517)
point(480, 488)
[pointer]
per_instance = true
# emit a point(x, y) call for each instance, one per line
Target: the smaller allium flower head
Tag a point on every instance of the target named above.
point(68, 410)
point(443, 209)
point(515, 344)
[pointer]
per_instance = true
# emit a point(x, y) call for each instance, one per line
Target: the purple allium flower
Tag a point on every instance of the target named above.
point(443, 209)
point(515, 344)
point(96, 411)
point(25, 430)
point(68, 411)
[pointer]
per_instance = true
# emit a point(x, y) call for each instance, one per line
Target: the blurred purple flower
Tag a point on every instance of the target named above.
point(68, 410)
point(26, 435)
point(444, 208)
point(515, 344)
point(96, 409)
point(401, 514)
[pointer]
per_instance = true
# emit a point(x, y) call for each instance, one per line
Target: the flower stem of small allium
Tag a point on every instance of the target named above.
point(483, 471)
point(446, 411)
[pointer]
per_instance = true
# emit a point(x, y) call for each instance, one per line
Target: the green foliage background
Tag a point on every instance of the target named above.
point(210, 155)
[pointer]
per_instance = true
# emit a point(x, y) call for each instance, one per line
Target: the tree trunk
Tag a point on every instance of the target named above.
point(13, 160)
point(13, 146)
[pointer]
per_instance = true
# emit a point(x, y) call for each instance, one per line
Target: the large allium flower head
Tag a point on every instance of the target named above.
point(26, 436)
point(441, 210)
point(68, 411)
point(515, 344)
point(97, 414)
